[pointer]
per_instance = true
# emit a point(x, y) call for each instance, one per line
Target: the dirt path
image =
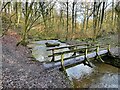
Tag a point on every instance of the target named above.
point(21, 72)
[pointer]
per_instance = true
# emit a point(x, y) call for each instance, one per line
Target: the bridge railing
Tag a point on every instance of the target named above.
point(81, 51)
point(85, 53)
point(73, 48)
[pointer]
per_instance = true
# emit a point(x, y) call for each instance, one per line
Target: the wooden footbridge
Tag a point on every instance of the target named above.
point(81, 54)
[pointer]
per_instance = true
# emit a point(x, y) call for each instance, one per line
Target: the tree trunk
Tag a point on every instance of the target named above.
point(94, 19)
point(73, 5)
point(75, 19)
point(67, 21)
point(112, 18)
point(87, 18)
point(102, 16)
point(117, 9)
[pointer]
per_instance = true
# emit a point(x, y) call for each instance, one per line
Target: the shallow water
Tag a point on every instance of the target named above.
point(100, 76)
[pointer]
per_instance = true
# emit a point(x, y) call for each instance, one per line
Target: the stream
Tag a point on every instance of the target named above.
point(82, 76)
point(100, 76)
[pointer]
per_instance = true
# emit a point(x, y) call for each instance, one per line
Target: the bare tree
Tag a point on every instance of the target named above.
point(117, 9)
point(67, 5)
point(73, 15)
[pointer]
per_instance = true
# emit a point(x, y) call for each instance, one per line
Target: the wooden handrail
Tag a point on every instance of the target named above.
point(55, 48)
point(65, 52)
point(70, 46)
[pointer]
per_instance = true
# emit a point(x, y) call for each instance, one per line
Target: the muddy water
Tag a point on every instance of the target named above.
point(100, 76)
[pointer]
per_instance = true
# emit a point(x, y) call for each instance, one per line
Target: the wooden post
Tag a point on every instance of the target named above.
point(62, 64)
point(75, 51)
point(109, 53)
point(108, 47)
point(97, 56)
point(86, 61)
point(53, 58)
point(86, 50)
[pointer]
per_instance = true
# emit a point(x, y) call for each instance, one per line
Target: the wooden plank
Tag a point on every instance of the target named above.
point(73, 61)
